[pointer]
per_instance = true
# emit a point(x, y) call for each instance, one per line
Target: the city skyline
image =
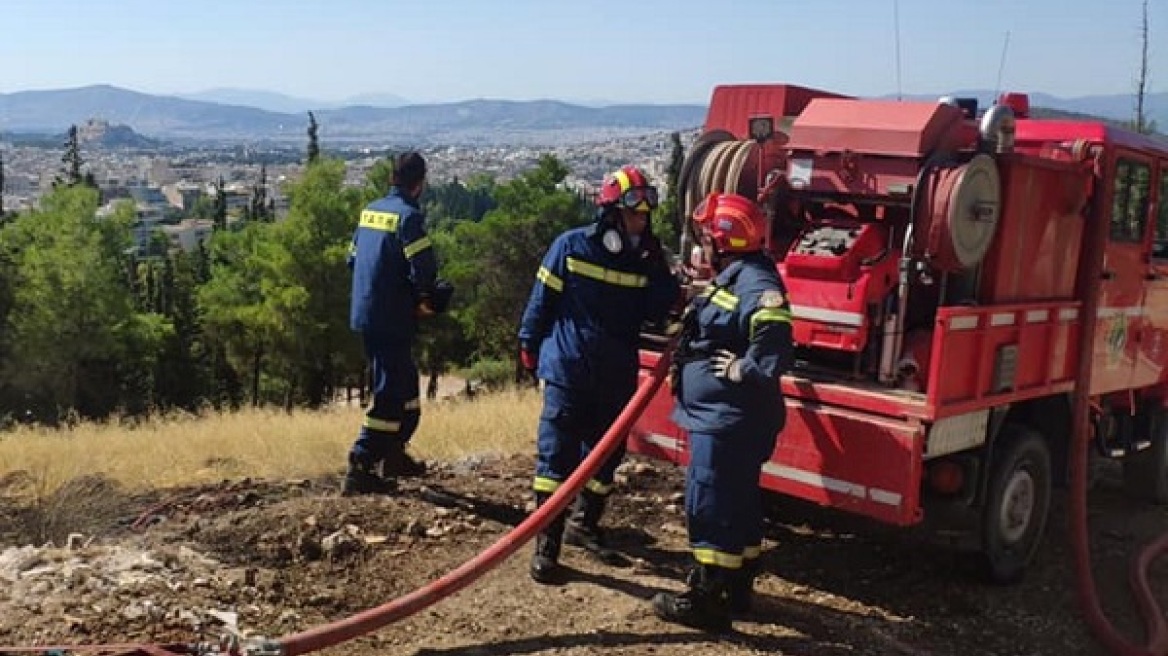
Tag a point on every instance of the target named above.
point(655, 51)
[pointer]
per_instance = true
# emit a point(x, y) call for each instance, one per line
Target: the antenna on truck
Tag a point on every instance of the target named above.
point(896, 27)
point(1001, 67)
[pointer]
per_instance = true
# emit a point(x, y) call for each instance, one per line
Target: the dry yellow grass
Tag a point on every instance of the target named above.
point(268, 444)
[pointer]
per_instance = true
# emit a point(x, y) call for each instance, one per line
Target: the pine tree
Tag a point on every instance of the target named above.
point(220, 206)
point(258, 208)
point(71, 161)
point(1141, 122)
point(671, 205)
point(313, 142)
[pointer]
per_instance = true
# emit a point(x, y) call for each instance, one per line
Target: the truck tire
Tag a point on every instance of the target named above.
point(1145, 473)
point(1018, 499)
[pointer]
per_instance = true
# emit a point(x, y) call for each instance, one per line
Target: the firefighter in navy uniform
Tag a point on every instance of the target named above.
point(580, 334)
point(394, 284)
point(735, 345)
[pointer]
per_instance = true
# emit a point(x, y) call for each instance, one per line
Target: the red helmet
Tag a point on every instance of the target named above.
point(629, 188)
point(733, 222)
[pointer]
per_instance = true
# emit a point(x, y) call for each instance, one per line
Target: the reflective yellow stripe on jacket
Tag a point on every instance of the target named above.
point(610, 276)
point(768, 315)
point(375, 220)
point(417, 247)
point(550, 279)
point(721, 298)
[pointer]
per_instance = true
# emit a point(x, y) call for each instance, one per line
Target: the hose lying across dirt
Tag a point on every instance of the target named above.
point(370, 620)
point(1154, 623)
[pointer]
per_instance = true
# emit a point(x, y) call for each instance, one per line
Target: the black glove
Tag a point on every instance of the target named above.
point(440, 297)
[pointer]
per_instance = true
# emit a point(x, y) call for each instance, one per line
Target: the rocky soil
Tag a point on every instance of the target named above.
point(94, 564)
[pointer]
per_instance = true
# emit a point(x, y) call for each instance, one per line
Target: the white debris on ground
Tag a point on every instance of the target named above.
point(82, 580)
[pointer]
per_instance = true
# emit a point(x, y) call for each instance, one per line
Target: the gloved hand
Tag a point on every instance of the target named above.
point(726, 365)
point(439, 301)
point(529, 360)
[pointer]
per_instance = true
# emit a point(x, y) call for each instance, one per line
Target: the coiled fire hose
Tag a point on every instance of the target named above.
point(714, 163)
point(370, 620)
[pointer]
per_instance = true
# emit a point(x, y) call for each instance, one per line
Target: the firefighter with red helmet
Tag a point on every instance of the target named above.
point(735, 345)
point(580, 334)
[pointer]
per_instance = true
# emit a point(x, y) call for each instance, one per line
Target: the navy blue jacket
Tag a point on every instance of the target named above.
point(393, 266)
point(745, 311)
point(587, 306)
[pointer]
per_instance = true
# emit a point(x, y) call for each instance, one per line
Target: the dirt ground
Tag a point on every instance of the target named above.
point(276, 558)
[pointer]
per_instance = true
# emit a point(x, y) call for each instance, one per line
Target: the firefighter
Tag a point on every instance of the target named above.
point(735, 344)
point(394, 284)
point(580, 334)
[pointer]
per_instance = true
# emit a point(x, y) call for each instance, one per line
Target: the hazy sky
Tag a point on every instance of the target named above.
point(640, 50)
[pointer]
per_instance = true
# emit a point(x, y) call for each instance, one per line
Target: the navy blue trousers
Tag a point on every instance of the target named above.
point(571, 422)
point(392, 417)
point(723, 500)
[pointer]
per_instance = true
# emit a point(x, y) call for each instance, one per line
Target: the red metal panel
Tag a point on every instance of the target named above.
point(830, 291)
point(866, 398)
point(849, 460)
point(1035, 253)
point(1153, 344)
point(1045, 336)
point(1031, 132)
point(732, 105)
point(863, 176)
point(883, 127)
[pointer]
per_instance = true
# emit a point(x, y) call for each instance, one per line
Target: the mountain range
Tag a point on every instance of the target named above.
point(237, 114)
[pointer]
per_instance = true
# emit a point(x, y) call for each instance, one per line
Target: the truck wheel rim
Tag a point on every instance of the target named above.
point(1017, 506)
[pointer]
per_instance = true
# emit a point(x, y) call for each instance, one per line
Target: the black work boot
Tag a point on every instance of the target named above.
point(741, 587)
point(398, 464)
point(363, 478)
point(583, 528)
point(705, 605)
point(545, 565)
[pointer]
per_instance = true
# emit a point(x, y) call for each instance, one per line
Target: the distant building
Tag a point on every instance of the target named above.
point(188, 234)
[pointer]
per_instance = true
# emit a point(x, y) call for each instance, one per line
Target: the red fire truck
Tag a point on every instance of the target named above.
point(936, 259)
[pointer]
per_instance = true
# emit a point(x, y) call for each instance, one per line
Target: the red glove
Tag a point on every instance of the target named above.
point(528, 360)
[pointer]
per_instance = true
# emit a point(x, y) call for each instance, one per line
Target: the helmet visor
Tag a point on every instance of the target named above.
point(640, 199)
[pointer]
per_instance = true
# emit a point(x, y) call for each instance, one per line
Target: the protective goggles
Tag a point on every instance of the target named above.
point(640, 199)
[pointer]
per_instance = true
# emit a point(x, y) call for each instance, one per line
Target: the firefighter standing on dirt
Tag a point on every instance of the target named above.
point(580, 334)
point(735, 345)
point(394, 284)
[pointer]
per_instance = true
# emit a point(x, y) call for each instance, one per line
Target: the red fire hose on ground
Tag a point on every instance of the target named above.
point(1155, 627)
point(370, 620)
point(1094, 238)
point(329, 635)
